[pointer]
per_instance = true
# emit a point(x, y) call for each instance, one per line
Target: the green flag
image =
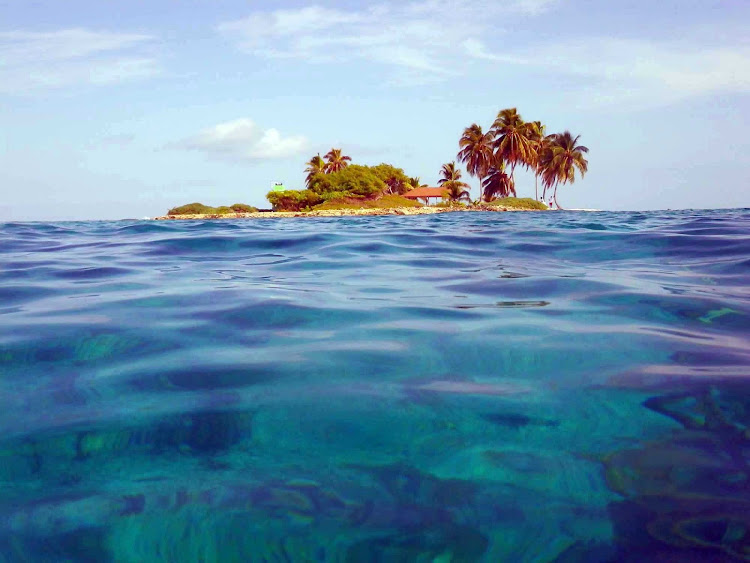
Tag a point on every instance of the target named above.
point(277, 187)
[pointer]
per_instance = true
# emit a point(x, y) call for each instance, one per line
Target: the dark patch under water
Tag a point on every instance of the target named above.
point(460, 387)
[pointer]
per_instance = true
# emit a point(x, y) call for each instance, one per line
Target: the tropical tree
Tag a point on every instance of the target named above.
point(560, 159)
point(450, 181)
point(544, 163)
point(353, 180)
point(476, 152)
point(293, 200)
point(455, 190)
point(415, 182)
point(449, 173)
point(316, 165)
point(497, 183)
point(335, 161)
point(513, 140)
point(395, 185)
point(536, 130)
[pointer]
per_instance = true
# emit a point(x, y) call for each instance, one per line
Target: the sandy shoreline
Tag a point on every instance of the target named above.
point(341, 212)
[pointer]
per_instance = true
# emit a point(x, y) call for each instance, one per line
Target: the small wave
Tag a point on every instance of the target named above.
point(391, 388)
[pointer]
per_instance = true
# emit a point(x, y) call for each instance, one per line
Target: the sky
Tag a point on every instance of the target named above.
point(124, 109)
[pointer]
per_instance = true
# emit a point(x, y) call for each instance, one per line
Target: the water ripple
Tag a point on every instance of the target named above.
point(467, 387)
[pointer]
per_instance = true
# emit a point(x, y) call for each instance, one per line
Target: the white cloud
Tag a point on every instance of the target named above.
point(422, 41)
point(644, 72)
point(476, 49)
point(32, 61)
point(243, 140)
point(418, 38)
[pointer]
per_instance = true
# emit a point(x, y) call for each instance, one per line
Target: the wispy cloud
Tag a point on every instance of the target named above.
point(242, 140)
point(417, 38)
point(32, 61)
point(476, 49)
point(533, 6)
point(639, 71)
point(117, 140)
point(662, 70)
point(422, 41)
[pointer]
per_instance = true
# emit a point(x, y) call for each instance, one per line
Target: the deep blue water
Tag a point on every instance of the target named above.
point(460, 387)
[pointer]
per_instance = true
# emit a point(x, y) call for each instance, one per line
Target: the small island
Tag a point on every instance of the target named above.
point(370, 207)
point(335, 187)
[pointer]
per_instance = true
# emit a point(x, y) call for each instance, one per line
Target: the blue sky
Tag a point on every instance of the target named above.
point(123, 109)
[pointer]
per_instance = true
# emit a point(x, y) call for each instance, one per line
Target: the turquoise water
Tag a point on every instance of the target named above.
point(458, 387)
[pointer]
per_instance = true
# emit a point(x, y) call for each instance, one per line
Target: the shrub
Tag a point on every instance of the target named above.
point(397, 201)
point(354, 179)
point(200, 209)
point(393, 177)
point(328, 196)
point(353, 187)
point(191, 209)
point(293, 200)
point(243, 208)
point(385, 202)
point(518, 203)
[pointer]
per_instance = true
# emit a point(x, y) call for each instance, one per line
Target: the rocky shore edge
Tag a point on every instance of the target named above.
point(344, 212)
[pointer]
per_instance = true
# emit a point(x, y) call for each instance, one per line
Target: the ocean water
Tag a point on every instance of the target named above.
point(459, 387)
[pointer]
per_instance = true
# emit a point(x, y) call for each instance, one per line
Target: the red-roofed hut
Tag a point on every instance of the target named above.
point(425, 194)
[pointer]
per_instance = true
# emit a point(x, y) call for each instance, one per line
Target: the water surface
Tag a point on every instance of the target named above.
point(458, 387)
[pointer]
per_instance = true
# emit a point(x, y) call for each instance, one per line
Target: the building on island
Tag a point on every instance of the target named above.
point(426, 195)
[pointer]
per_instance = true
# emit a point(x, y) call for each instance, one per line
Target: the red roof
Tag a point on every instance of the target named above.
point(425, 192)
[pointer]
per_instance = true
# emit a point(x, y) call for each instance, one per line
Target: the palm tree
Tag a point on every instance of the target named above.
point(450, 181)
point(449, 173)
point(559, 161)
point(455, 190)
point(497, 183)
point(476, 152)
point(537, 131)
point(514, 140)
point(544, 164)
point(336, 161)
point(316, 165)
point(415, 182)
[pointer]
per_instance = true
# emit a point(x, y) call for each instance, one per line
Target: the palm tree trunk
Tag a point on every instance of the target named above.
point(536, 185)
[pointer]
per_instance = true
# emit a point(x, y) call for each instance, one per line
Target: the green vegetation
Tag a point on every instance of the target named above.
point(335, 161)
point(559, 157)
point(385, 202)
point(333, 183)
point(414, 183)
point(293, 200)
point(200, 209)
point(190, 209)
point(396, 181)
point(518, 203)
point(450, 181)
point(315, 166)
point(243, 208)
point(354, 180)
point(512, 141)
point(476, 152)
